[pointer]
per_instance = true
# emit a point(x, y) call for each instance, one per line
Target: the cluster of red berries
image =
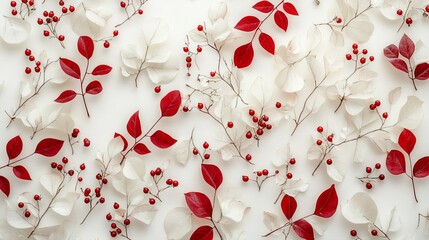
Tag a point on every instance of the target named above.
point(329, 138)
point(375, 105)
point(368, 178)
point(114, 223)
point(263, 172)
point(205, 155)
point(21, 205)
point(96, 195)
point(50, 19)
point(408, 20)
point(106, 43)
point(157, 175)
point(75, 134)
point(60, 166)
point(124, 5)
point(362, 60)
point(31, 58)
point(190, 54)
point(261, 124)
point(25, 4)
point(354, 233)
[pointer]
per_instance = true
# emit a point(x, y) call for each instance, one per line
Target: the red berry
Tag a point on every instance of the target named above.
point(64, 10)
point(152, 173)
point(409, 21)
point(113, 225)
point(169, 181)
point(330, 138)
point(399, 12)
point(248, 157)
point(13, 4)
point(158, 171)
point(269, 126)
point(82, 166)
point(45, 13)
point(320, 129)
point(248, 135)
point(115, 33)
point(262, 124)
point(362, 60)
point(51, 14)
point(175, 183)
point(157, 89)
point(195, 151)
point(377, 103)
point(212, 74)
point(118, 230)
point(206, 156)
point(368, 169)
point(355, 46)
point(259, 132)
point(53, 165)
point(127, 221)
point(27, 70)
point(27, 52)
point(188, 59)
point(71, 172)
point(61, 38)
point(188, 65)
point(365, 51)
point(427, 8)
point(20, 204)
point(374, 232)
point(86, 142)
point(87, 191)
point(199, 49)
point(59, 167)
point(277, 171)
point(329, 161)
point(372, 106)
point(55, 19)
point(355, 51)
point(140, 11)
point(109, 217)
point(87, 200)
point(145, 190)
point(200, 106)
point(381, 177)
point(353, 233)
point(278, 104)
point(185, 49)
point(265, 172)
point(289, 175)
point(106, 44)
point(319, 142)
point(39, 21)
point(377, 165)
point(255, 119)
point(245, 178)
point(185, 108)
point(349, 57)
point(371, 58)
point(37, 69)
point(265, 118)
point(123, 4)
point(251, 112)
point(27, 214)
point(368, 185)
point(116, 205)
point(230, 124)
point(339, 20)
point(113, 234)
point(76, 131)
point(206, 145)
point(292, 161)
point(80, 179)
point(259, 173)
point(151, 201)
point(65, 160)
point(200, 28)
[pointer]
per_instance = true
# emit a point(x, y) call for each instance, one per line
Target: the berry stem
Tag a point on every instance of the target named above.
point(405, 16)
point(9, 164)
point(411, 176)
point(277, 229)
point(135, 11)
point(81, 88)
point(411, 74)
point(263, 20)
point(382, 232)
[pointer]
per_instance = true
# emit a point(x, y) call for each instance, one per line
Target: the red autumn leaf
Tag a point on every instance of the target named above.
point(101, 70)
point(421, 167)
point(202, 233)
point(49, 147)
point(141, 149)
point(248, 24)
point(66, 96)
point(94, 88)
point(212, 175)
point(395, 162)
point(243, 55)
point(406, 47)
point(290, 8)
point(267, 42)
point(199, 204)
point(289, 206)
point(70, 68)
point(407, 140)
point(264, 6)
point(303, 229)
point(21, 172)
point(391, 51)
point(123, 139)
point(281, 20)
point(134, 126)
point(400, 64)
point(162, 139)
point(327, 203)
point(85, 45)
point(4, 186)
point(14, 147)
point(170, 103)
point(422, 71)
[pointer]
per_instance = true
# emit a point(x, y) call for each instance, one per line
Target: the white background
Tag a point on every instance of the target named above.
point(120, 99)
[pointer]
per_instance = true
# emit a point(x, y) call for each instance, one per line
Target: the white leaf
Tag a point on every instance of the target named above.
point(314, 153)
point(217, 11)
point(157, 54)
point(391, 221)
point(50, 182)
point(411, 113)
point(261, 91)
point(394, 95)
point(231, 205)
point(144, 213)
point(315, 102)
point(383, 140)
point(181, 150)
point(360, 29)
point(294, 186)
point(360, 209)
point(346, 11)
point(91, 18)
point(155, 31)
point(220, 31)
point(64, 205)
point(319, 224)
point(160, 74)
point(389, 8)
point(336, 38)
point(115, 146)
point(272, 221)
point(14, 218)
point(290, 80)
point(132, 55)
point(14, 30)
point(177, 223)
point(197, 36)
point(1, 84)
point(337, 170)
point(281, 156)
point(134, 168)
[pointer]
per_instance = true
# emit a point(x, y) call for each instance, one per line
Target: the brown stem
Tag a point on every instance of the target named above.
point(411, 176)
point(277, 229)
point(81, 88)
point(132, 15)
point(15, 161)
point(404, 16)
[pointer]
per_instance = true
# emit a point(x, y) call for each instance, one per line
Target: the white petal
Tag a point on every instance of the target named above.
point(220, 31)
point(231, 205)
point(290, 80)
point(314, 153)
point(360, 209)
point(294, 186)
point(14, 30)
point(132, 55)
point(144, 213)
point(261, 91)
point(14, 218)
point(336, 38)
point(360, 29)
point(64, 205)
point(50, 182)
point(390, 222)
point(272, 221)
point(411, 113)
point(217, 11)
point(155, 31)
point(337, 170)
point(182, 151)
point(177, 223)
point(161, 74)
point(134, 168)
point(394, 95)
point(157, 54)
point(281, 156)
point(115, 146)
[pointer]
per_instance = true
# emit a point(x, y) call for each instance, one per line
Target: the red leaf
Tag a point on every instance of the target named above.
point(212, 175)
point(281, 20)
point(303, 229)
point(248, 24)
point(4, 186)
point(141, 149)
point(202, 233)
point(422, 71)
point(21, 172)
point(290, 8)
point(94, 88)
point(391, 51)
point(395, 162)
point(289, 206)
point(14, 147)
point(407, 140)
point(101, 70)
point(66, 96)
point(267, 42)
point(49, 147)
point(264, 6)
point(162, 139)
point(123, 139)
point(70, 68)
point(327, 203)
point(85, 45)
point(421, 167)
point(406, 47)
point(199, 204)
point(134, 127)
point(243, 55)
point(400, 64)
point(170, 103)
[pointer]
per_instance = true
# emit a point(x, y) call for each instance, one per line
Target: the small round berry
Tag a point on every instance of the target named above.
point(355, 46)
point(82, 166)
point(102, 200)
point(188, 59)
point(399, 12)
point(206, 156)
point(115, 33)
point(206, 145)
point(39, 21)
point(368, 185)
point(245, 178)
point(368, 169)
point(55, 19)
point(59, 167)
point(71, 172)
point(51, 14)
point(189, 65)
point(27, 214)
point(106, 44)
point(152, 173)
point(86, 142)
point(377, 103)
point(212, 74)
point(27, 70)
point(185, 108)
point(277, 171)
point(262, 124)
point(230, 124)
point(97, 190)
point(353, 233)
point(248, 135)
point(158, 171)
point(157, 89)
point(145, 190)
point(259, 173)
point(355, 51)
point(46, 33)
point(248, 157)
point(365, 51)
point(87, 191)
point(151, 201)
point(330, 138)
point(169, 181)
point(45, 13)
point(195, 151)
point(61, 38)
point(255, 119)
point(38, 63)
point(409, 21)
point(113, 225)
point(292, 161)
point(200, 28)
point(75, 131)
point(87, 200)
point(329, 161)
point(123, 4)
point(362, 60)
point(289, 175)
point(118, 230)
point(339, 20)
point(20, 204)
point(199, 49)
point(200, 105)
point(185, 49)
point(127, 221)
point(260, 132)
point(108, 216)
point(251, 112)
point(377, 166)
point(36, 197)
point(427, 8)
point(349, 57)
point(320, 129)
point(374, 232)
point(371, 58)
point(80, 179)
point(372, 106)
point(64, 10)
point(265, 172)
point(265, 118)
point(175, 183)
point(319, 142)
point(140, 11)
point(37, 69)
point(13, 4)
point(27, 52)
point(65, 160)
point(53, 165)
point(278, 104)
point(381, 177)
point(269, 126)
point(113, 234)
point(116, 205)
